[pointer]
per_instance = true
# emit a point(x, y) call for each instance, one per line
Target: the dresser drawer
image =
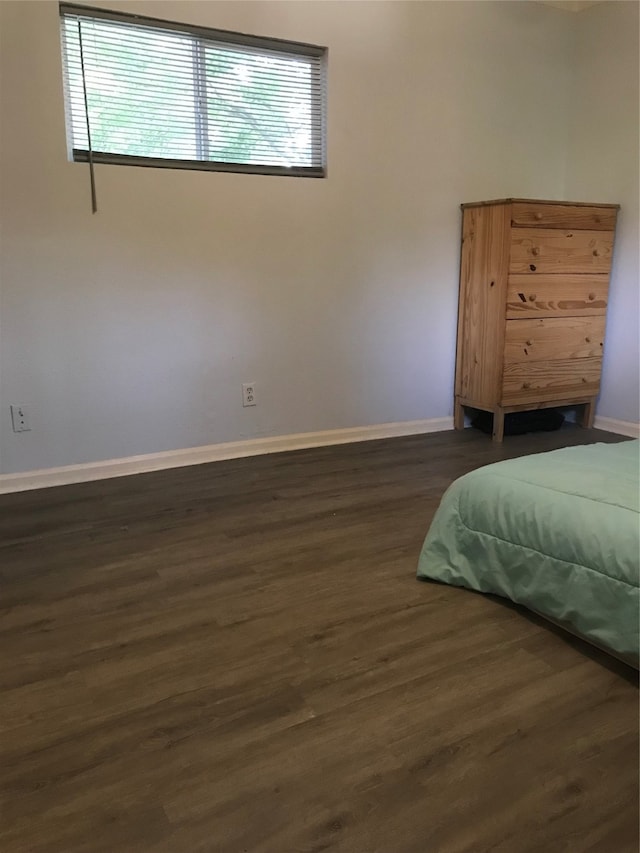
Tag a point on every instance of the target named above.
point(548, 250)
point(553, 338)
point(556, 295)
point(546, 380)
point(563, 216)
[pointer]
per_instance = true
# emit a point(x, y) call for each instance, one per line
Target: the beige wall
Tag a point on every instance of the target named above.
point(602, 165)
point(131, 331)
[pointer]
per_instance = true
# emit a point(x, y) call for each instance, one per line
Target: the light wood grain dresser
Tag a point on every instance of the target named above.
point(534, 278)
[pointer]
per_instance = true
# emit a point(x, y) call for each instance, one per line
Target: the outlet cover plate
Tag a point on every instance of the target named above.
point(248, 394)
point(20, 419)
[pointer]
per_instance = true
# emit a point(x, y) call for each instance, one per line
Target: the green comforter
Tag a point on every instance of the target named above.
point(556, 532)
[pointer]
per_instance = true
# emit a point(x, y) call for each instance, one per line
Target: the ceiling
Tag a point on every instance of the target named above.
point(572, 5)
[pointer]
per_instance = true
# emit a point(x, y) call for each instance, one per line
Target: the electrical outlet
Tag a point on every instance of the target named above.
point(249, 394)
point(20, 419)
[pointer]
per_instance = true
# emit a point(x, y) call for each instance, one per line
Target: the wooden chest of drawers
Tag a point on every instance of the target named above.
point(534, 278)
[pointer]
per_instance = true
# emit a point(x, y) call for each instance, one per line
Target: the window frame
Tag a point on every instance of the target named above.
point(235, 39)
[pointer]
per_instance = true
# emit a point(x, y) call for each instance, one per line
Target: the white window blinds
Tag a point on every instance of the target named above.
point(145, 92)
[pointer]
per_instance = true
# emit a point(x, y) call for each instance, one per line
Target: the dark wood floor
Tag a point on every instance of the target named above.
point(237, 658)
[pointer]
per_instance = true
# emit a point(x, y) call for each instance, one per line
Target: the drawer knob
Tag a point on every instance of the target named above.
point(588, 340)
point(592, 296)
point(526, 385)
point(529, 343)
point(537, 216)
point(584, 379)
point(596, 252)
point(536, 251)
point(532, 267)
point(532, 298)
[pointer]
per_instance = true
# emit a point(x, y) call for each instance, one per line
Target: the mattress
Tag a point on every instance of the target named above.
point(558, 533)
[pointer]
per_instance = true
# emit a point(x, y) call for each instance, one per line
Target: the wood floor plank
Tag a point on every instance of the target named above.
point(237, 658)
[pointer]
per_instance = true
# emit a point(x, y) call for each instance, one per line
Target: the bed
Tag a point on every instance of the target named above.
point(558, 533)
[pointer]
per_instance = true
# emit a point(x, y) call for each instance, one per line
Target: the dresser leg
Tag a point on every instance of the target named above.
point(458, 414)
point(588, 414)
point(498, 425)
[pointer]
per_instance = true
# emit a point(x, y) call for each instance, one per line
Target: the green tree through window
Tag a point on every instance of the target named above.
point(189, 99)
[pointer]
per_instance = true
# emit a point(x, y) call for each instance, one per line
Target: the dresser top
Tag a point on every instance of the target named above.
point(537, 201)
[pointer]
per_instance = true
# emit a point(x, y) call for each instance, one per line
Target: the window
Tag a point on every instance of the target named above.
point(145, 92)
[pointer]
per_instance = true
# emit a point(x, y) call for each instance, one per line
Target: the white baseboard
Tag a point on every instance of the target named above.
point(621, 427)
point(212, 453)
